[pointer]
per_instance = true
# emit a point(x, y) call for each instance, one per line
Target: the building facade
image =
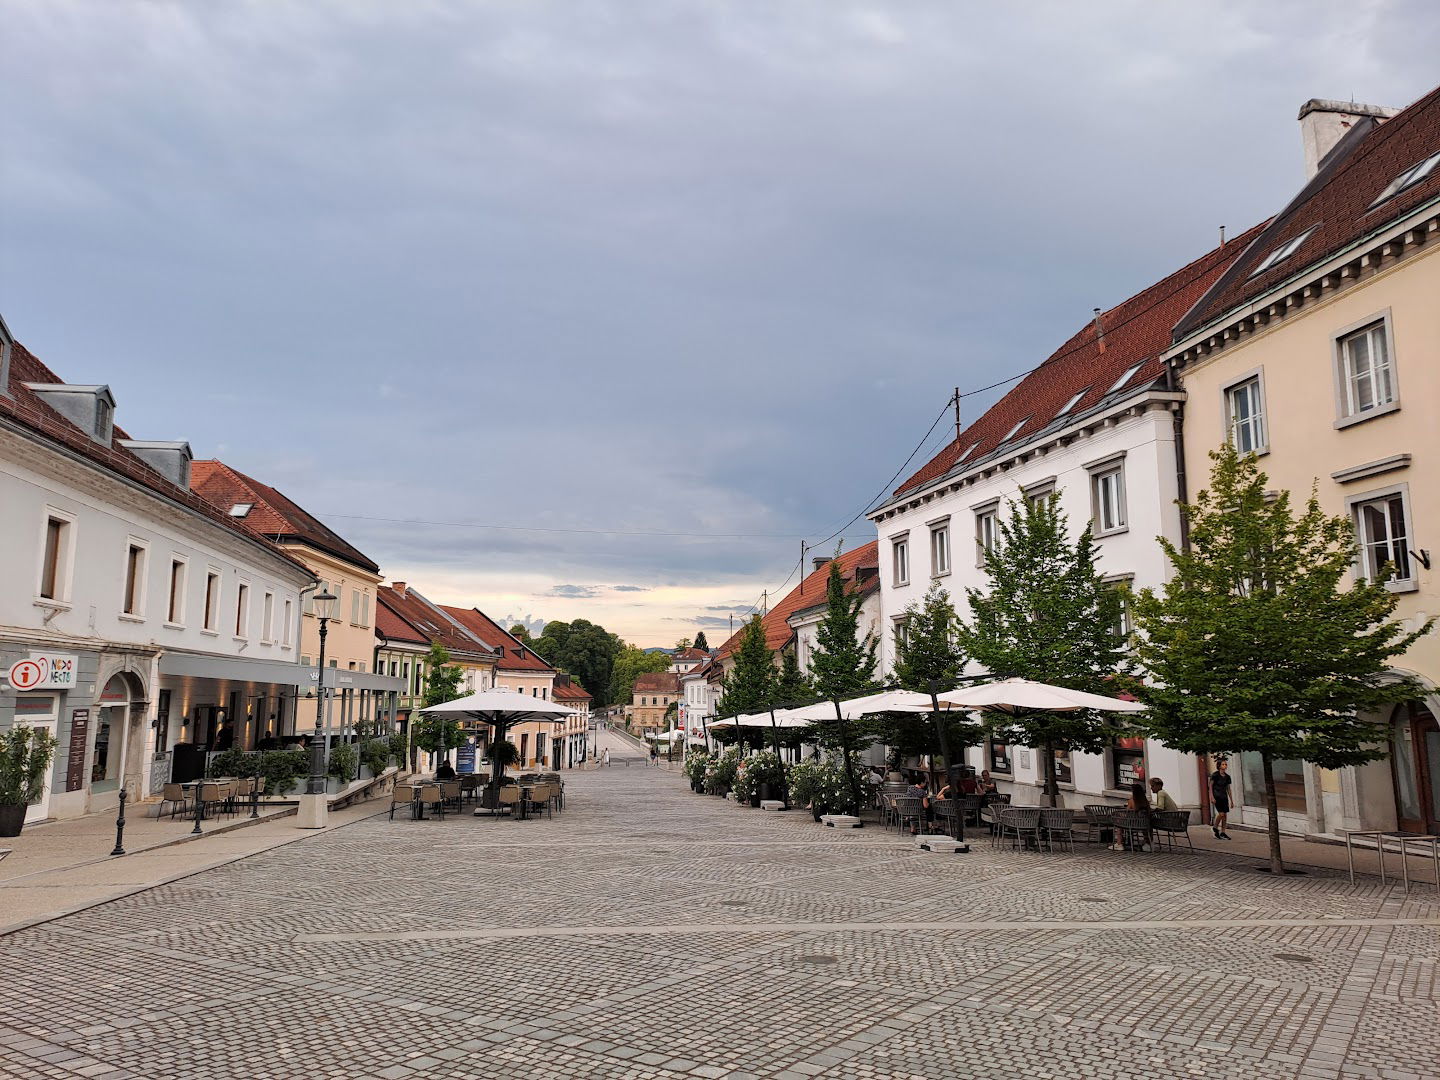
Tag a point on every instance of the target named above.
point(651, 697)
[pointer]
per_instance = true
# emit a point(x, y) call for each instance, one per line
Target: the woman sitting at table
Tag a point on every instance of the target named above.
point(1139, 801)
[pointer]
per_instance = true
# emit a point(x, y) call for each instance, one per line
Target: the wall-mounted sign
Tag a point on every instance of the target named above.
point(44, 671)
point(75, 760)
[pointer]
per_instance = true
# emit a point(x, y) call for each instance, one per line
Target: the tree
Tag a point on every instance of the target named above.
point(1257, 645)
point(629, 662)
point(929, 659)
point(701, 643)
point(842, 667)
point(1049, 616)
point(750, 685)
point(586, 650)
point(520, 632)
point(792, 687)
point(436, 734)
point(682, 644)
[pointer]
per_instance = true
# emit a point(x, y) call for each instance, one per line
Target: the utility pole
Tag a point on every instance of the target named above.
point(764, 603)
point(956, 401)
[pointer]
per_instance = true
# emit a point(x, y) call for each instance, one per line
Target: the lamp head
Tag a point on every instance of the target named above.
point(325, 604)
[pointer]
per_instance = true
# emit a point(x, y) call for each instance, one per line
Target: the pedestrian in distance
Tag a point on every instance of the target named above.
point(655, 754)
point(606, 759)
point(1220, 781)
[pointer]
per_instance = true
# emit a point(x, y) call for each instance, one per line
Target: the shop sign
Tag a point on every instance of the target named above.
point(465, 758)
point(75, 760)
point(45, 671)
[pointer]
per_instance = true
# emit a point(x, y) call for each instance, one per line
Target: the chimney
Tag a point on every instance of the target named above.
point(1324, 123)
point(1099, 330)
point(819, 560)
point(399, 587)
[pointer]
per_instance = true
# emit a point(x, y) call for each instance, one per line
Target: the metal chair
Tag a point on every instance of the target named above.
point(432, 795)
point(946, 811)
point(1133, 828)
point(909, 808)
point(1168, 824)
point(539, 798)
point(1056, 826)
point(970, 805)
point(1099, 821)
point(1023, 825)
point(508, 798)
point(175, 795)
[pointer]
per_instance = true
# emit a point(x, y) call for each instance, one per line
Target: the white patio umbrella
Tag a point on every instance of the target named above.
point(500, 708)
point(855, 708)
point(1024, 695)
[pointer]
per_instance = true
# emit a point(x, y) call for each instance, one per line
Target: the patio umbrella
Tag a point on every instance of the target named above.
point(1023, 695)
point(500, 708)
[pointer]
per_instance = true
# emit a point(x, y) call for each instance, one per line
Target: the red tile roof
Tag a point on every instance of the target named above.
point(657, 682)
point(272, 514)
point(859, 568)
point(24, 407)
point(518, 656)
point(428, 621)
point(572, 692)
point(1135, 332)
point(390, 626)
point(1336, 204)
point(691, 653)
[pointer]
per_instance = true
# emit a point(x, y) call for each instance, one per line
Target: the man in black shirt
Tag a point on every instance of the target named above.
point(1220, 796)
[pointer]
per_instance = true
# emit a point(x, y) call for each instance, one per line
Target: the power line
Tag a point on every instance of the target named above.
point(583, 532)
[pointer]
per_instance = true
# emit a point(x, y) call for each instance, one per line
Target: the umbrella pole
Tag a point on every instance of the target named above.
point(951, 770)
point(784, 787)
point(497, 769)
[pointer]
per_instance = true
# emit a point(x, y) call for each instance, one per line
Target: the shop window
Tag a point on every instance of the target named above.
point(1127, 761)
point(997, 753)
point(162, 723)
point(1289, 782)
point(1064, 767)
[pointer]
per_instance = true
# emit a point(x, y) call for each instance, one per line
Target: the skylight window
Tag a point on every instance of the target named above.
point(1409, 178)
point(1123, 379)
point(967, 453)
point(1283, 252)
point(239, 510)
point(1015, 430)
point(1072, 403)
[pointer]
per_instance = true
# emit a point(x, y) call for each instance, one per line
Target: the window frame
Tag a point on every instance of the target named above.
point(134, 579)
point(1099, 472)
point(62, 576)
point(1354, 504)
point(1344, 415)
point(900, 558)
point(287, 629)
point(1257, 376)
point(940, 541)
point(210, 611)
point(267, 617)
point(991, 511)
point(175, 599)
point(242, 611)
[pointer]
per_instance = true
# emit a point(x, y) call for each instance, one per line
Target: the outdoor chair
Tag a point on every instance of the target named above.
point(1056, 826)
point(211, 795)
point(431, 795)
point(1099, 822)
point(540, 800)
point(946, 811)
point(469, 786)
point(1168, 824)
point(175, 796)
point(509, 798)
point(450, 792)
point(908, 809)
point(402, 795)
point(1132, 829)
point(1022, 825)
point(970, 806)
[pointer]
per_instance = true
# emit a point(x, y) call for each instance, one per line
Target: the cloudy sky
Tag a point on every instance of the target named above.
point(591, 308)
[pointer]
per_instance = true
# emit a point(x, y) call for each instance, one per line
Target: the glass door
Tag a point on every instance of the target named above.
point(1415, 764)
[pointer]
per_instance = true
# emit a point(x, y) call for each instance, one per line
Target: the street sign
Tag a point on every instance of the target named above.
point(44, 671)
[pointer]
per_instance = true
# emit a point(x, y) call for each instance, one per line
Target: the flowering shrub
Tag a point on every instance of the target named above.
point(761, 768)
point(722, 771)
point(820, 784)
point(696, 762)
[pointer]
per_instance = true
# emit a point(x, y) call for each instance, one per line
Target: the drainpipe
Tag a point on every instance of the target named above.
point(1182, 490)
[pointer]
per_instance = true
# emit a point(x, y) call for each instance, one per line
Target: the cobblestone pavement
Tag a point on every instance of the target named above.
point(647, 932)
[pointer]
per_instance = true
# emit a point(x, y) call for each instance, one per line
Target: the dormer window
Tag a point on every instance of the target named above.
point(1409, 178)
point(89, 408)
point(7, 344)
point(104, 419)
point(1283, 252)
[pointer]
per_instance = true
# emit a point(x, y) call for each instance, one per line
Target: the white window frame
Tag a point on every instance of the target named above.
point(1409, 581)
point(64, 559)
point(1346, 414)
point(135, 589)
point(940, 545)
point(1040, 489)
point(267, 618)
point(989, 511)
point(287, 628)
point(210, 607)
point(242, 610)
point(900, 558)
point(1227, 392)
point(1126, 629)
point(1099, 473)
point(175, 598)
point(1282, 251)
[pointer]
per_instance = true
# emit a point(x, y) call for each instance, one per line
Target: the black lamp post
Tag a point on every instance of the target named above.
point(325, 603)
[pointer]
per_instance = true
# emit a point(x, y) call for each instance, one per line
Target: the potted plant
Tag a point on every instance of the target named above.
point(25, 756)
point(696, 762)
point(504, 754)
point(764, 769)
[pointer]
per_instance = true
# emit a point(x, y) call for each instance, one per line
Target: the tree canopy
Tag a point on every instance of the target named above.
point(629, 662)
point(750, 685)
point(1261, 641)
point(442, 683)
point(586, 650)
point(700, 642)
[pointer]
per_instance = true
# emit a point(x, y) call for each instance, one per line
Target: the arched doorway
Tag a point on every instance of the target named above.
point(113, 751)
point(1415, 765)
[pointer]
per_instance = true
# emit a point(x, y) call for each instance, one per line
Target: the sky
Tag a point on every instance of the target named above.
point(600, 308)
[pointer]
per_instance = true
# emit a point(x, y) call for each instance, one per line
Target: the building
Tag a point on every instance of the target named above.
point(1094, 426)
point(148, 627)
point(683, 661)
point(653, 694)
point(573, 743)
point(355, 695)
point(1317, 350)
point(699, 693)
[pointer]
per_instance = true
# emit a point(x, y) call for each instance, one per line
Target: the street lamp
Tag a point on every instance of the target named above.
point(325, 605)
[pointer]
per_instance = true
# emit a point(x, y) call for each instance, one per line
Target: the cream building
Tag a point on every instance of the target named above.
point(1318, 350)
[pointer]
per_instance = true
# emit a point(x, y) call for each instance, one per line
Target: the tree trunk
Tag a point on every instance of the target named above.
point(1272, 815)
point(1052, 789)
point(845, 758)
point(780, 759)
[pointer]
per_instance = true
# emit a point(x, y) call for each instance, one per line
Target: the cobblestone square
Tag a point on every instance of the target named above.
point(651, 932)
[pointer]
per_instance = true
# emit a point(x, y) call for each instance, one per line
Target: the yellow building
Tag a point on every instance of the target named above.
point(653, 694)
point(1317, 350)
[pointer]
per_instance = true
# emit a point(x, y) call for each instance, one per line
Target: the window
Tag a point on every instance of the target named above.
point(1039, 493)
point(1125, 378)
point(1015, 430)
point(901, 551)
point(104, 413)
point(1064, 771)
point(134, 579)
point(175, 608)
point(287, 630)
point(239, 510)
point(267, 618)
point(1409, 178)
point(902, 631)
point(1122, 624)
point(1245, 407)
point(355, 606)
point(212, 600)
point(987, 534)
point(242, 614)
point(1283, 252)
point(998, 754)
point(365, 610)
point(55, 559)
point(1127, 761)
point(1384, 539)
point(350, 666)
point(940, 550)
point(1107, 497)
point(1072, 403)
point(967, 453)
point(1367, 377)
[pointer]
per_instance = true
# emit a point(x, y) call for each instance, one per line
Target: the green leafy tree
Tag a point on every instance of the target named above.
point(842, 667)
point(1047, 615)
point(586, 650)
point(700, 642)
point(750, 685)
point(631, 661)
point(683, 643)
point(792, 687)
point(520, 632)
point(434, 734)
point(1260, 642)
point(929, 660)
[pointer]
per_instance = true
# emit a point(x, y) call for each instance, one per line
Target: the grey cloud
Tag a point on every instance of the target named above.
point(630, 588)
point(574, 592)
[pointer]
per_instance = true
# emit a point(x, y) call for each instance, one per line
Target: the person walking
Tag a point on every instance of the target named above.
point(655, 754)
point(1220, 781)
point(606, 759)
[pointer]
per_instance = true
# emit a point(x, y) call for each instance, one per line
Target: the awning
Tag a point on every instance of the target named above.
point(242, 669)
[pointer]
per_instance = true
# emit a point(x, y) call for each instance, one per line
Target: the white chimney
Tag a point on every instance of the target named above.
point(1324, 123)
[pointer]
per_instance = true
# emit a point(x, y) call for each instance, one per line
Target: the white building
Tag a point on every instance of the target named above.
point(1095, 426)
point(152, 619)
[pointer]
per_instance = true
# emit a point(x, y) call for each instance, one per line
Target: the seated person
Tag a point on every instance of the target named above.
point(446, 771)
point(1163, 800)
point(987, 785)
